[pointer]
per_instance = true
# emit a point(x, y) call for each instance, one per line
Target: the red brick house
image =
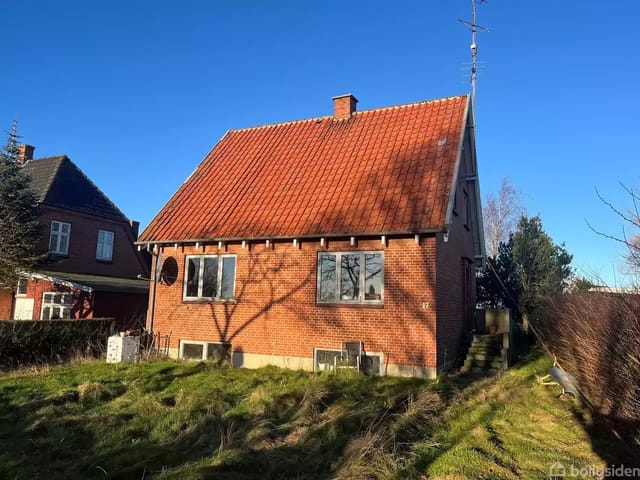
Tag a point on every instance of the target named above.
point(93, 265)
point(289, 239)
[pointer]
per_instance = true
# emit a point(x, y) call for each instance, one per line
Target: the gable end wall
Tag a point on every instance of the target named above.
point(455, 306)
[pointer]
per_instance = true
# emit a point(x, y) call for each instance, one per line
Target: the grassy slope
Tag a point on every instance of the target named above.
point(185, 420)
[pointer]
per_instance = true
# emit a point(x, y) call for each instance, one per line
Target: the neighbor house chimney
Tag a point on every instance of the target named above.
point(25, 153)
point(344, 105)
point(135, 226)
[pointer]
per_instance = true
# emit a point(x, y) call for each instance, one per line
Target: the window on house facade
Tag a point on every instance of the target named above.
point(59, 238)
point(350, 277)
point(104, 251)
point(23, 283)
point(55, 306)
point(209, 277)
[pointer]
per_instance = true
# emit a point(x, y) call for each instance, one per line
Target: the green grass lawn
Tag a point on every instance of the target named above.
point(195, 420)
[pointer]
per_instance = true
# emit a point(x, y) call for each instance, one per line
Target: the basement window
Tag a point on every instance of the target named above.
point(198, 350)
point(209, 277)
point(350, 277)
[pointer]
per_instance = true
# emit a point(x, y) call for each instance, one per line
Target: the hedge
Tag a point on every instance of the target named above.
point(27, 342)
point(596, 338)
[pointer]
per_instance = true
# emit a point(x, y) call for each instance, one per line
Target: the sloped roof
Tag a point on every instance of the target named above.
point(387, 170)
point(59, 182)
point(100, 283)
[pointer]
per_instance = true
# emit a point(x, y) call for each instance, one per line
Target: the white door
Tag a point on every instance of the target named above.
point(24, 309)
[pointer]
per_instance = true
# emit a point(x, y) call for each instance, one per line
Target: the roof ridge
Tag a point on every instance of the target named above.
point(358, 112)
point(60, 155)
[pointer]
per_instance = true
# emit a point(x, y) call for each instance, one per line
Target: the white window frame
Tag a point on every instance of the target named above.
point(361, 299)
point(205, 348)
point(102, 245)
point(199, 297)
point(56, 229)
point(338, 352)
point(25, 282)
point(54, 305)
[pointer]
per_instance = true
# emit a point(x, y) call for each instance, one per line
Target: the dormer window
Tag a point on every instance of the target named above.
point(104, 250)
point(59, 239)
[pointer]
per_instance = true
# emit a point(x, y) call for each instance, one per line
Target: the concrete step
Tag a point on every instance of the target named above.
point(484, 356)
point(488, 339)
point(485, 349)
point(486, 364)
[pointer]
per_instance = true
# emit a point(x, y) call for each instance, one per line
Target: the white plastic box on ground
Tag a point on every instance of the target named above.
point(122, 349)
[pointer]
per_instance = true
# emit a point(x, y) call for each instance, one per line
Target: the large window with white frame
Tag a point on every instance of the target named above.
point(55, 306)
point(209, 277)
point(104, 250)
point(59, 238)
point(350, 277)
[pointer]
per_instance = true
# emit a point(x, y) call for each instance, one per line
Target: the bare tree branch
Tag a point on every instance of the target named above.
point(630, 220)
point(500, 215)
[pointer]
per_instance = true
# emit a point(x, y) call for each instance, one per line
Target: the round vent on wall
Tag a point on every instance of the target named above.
point(169, 271)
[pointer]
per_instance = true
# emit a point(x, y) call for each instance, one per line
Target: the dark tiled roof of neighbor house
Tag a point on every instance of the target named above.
point(59, 182)
point(386, 170)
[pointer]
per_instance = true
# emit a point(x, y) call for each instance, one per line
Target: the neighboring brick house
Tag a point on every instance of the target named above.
point(93, 265)
point(289, 239)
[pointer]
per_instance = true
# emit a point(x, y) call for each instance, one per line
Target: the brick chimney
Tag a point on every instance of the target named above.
point(25, 153)
point(135, 226)
point(344, 105)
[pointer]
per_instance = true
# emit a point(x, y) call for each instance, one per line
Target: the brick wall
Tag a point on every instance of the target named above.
point(275, 312)
point(455, 301)
point(128, 309)
point(81, 306)
point(127, 261)
point(6, 303)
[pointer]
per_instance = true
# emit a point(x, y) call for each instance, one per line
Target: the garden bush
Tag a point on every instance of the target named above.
point(596, 338)
point(28, 342)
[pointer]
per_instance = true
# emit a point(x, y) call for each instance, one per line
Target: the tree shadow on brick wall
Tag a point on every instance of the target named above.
point(266, 274)
point(390, 197)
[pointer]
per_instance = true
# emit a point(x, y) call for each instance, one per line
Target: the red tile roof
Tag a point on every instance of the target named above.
point(387, 170)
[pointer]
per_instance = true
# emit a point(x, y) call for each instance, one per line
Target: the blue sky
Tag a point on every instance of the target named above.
point(137, 92)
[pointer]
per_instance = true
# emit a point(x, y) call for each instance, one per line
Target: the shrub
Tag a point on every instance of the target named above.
point(28, 342)
point(596, 338)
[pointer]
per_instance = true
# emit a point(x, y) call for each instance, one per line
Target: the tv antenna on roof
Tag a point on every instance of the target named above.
point(474, 27)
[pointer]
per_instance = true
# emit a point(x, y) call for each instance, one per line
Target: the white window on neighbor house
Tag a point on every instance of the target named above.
point(104, 251)
point(209, 277)
point(59, 239)
point(21, 289)
point(55, 306)
point(350, 277)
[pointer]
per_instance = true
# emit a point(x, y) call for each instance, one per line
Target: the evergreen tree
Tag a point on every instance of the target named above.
point(499, 289)
point(527, 268)
point(542, 267)
point(19, 226)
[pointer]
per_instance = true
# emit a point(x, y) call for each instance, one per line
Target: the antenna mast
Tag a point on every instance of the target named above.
point(474, 27)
